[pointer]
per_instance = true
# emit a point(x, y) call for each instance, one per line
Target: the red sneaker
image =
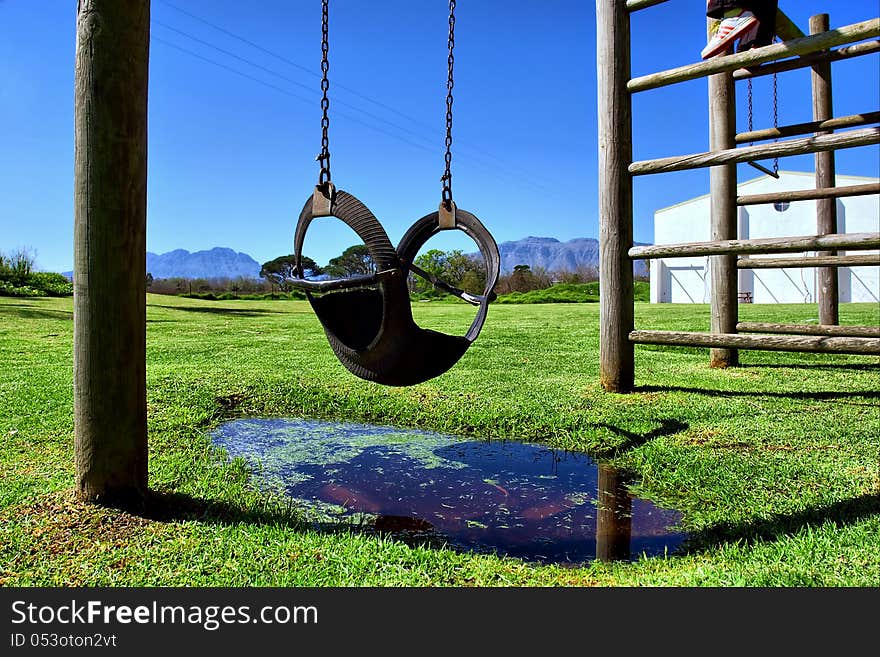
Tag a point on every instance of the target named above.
point(729, 29)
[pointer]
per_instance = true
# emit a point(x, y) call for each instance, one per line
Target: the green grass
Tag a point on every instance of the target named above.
point(775, 465)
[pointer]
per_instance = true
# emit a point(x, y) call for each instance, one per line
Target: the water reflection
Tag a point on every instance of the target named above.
point(512, 498)
point(613, 516)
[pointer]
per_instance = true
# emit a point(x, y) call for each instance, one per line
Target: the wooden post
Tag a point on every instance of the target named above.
point(826, 209)
point(110, 184)
point(616, 362)
point(722, 186)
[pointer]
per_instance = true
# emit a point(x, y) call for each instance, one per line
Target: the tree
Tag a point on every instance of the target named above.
point(354, 261)
point(454, 267)
point(432, 262)
point(282, 270)
point(474, 281)
point(470, 272)
point(17, 266)
point(523, 279)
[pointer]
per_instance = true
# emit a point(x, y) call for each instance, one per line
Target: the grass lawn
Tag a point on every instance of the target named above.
point(775, 465)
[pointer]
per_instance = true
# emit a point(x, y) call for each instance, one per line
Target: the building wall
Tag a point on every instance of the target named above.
point(686, 280)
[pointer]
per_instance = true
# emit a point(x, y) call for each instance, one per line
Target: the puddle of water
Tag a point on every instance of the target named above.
point(512, 498)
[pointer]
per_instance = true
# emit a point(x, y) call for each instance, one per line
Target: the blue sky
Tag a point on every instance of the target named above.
point(234, 117)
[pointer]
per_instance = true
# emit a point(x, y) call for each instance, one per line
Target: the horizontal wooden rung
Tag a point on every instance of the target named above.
point(635, 5)
point(810, 329)
point(802, 146)
point(847, 52)
point(860, 260)
point(763, 342)
point(807, 45)
point(809, 194)
point(834, 242)
point(806, 128)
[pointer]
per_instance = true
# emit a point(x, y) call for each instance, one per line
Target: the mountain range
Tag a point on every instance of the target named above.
point(552, 255)
point(221, 262)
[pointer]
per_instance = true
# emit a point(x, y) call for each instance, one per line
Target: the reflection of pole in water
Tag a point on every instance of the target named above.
point(614, 519)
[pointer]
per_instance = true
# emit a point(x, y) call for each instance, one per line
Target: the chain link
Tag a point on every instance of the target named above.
point(324, 157)
point(775, 119)
point(750, 108)
point(446, 179)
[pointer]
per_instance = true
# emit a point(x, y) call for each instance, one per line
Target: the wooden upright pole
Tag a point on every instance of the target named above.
point(722, 187)
point(826, 209)
point(616, 361)
point(110, 202)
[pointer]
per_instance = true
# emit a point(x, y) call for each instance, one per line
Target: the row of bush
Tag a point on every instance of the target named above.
point(229, 296)
point(18, 278)
point(559, 292)
point(571, 293)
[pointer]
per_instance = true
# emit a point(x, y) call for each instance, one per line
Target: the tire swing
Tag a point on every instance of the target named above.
point(368, 319)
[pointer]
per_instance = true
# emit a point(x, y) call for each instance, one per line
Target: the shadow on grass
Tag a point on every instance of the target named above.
point(842, 513)
point(815, 367)
point(169, 507)
point(179, 507)
point(233, 312)
point(668, 427)
point(35, 313)
point(161, 506)
point(820, 395)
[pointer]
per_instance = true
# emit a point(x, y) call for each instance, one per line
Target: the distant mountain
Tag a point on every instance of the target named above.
point(218, 262)
point(545, 252)
point(551, 254)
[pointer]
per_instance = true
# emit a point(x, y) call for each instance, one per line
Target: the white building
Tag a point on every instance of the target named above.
point(687, 280)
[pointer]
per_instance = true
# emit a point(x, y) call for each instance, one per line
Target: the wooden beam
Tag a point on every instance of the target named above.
point(805, 46)
point(763, 342)
point(848, 241)
point(803, 146)
point(636, 5)
point(847, 52)
point(810, 194)
point(110, 212)
point(723, 213)
point(805, 128)
point(786, 28)
point(812, 261)
point(616, 309)
point(827, 296)
point(810, 329)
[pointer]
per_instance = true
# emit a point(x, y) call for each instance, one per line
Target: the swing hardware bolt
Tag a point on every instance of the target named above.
point(446, 214)
point(322, 199)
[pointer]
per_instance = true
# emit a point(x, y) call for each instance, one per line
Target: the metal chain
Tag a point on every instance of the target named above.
point(750, 108)
point(446, 179)
point(324, 156)
point(775, 120)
